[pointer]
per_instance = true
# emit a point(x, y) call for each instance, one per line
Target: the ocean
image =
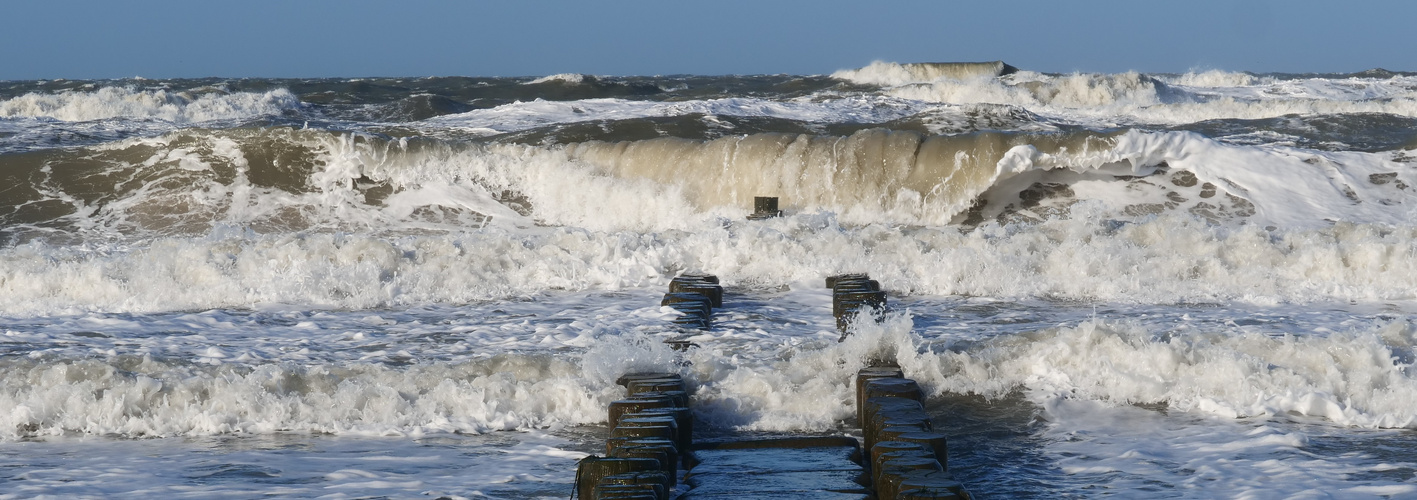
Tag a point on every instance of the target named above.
point(1190, 285)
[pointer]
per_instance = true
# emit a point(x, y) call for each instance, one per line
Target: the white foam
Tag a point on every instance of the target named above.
point(571, 78)
point(1289, 187)
point(1123, 448)
point(1130, 98)
point(1354, 379)
point(1216, 78)
point(1166, 260)
point(892, 74)
point(145, 397)
point(133, 103)
point(531, 114)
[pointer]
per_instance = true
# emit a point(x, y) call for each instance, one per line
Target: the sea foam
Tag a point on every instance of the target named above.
point(141, 396)
point(1355, 379)
point(1167, 260)
point(133, 103)
point(1098, 99)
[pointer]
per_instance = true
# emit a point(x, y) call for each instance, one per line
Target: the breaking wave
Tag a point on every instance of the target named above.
point(132, 103)
point(281, 180)
point(892, 74)
point(133, 396)
point(1135, 98)
point(1168, 260)
point(1354, 379)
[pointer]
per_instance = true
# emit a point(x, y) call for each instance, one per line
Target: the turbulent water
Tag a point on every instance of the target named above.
point(1142, 285)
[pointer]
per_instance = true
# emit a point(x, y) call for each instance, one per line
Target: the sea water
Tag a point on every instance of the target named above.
point(1166, 286)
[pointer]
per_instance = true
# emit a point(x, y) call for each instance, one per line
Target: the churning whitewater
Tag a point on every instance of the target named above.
point(1184, 269)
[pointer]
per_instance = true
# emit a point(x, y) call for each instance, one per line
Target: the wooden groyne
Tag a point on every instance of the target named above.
point(649, 430)
point(905, 454)
point(652, 454)
point(696, 296)
point(853, 295)
point(907, 457)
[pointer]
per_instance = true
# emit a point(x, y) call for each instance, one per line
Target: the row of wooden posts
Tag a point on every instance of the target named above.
point(696, 296)
point(907, 456)
point(651, 431)
point(652, 428)
point(853, 295)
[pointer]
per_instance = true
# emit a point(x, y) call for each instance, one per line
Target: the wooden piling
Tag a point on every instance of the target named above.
point(591, 470)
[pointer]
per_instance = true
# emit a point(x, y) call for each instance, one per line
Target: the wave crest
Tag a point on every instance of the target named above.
point(566, 78)
point(1216, 78)
point(1354, 379)
point(892, 74)
point(132, 103)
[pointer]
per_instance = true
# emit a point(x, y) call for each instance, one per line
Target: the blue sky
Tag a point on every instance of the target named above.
point(320, 38)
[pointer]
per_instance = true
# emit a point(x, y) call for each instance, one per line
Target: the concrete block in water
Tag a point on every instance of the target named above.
point(591, 470)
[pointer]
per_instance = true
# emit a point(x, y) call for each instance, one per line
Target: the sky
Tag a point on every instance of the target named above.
point(84, 39)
